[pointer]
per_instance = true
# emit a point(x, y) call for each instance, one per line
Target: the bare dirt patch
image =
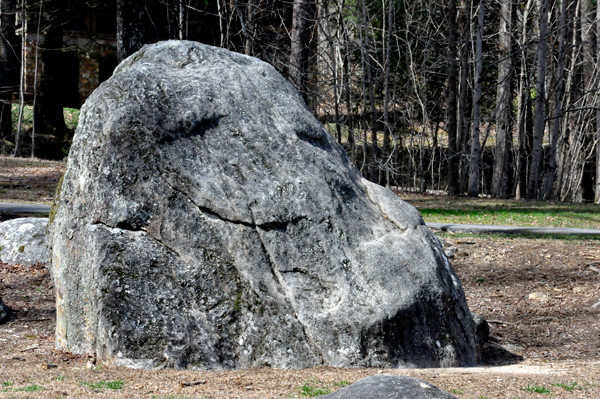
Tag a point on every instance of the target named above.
point(538, 294)
point(28, 180)
point(557, 336)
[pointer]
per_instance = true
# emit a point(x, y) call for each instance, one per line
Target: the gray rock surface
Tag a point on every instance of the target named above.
point(386, 386)
point(207, 220)
point(23, 241)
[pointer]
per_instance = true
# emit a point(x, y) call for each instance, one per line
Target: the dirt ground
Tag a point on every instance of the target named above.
point(29, 180)
point(553, 336)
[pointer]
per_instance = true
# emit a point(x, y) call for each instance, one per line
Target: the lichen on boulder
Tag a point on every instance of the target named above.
point(208, 220)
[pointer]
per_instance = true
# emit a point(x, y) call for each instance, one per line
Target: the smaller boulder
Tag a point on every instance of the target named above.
point(23, 241)
point(4, 311)
point(451, 251)
point(482, 329)
point(387, 386)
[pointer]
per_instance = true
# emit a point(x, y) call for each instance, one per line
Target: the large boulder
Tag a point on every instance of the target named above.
point(206, 219)
point(23, 241)
point(386, 386)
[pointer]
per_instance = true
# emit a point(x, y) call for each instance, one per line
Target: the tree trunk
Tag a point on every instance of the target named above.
point(539, 122)
point(463, 101)
point(475, 145)
point(49, 106)
point(560, 90)
point(220, 11)
point(503, 103)
point(130, 27)
point(363, 55)
point(565, 167)
point(451, 104)
point(597, 193)
point(386, 101)
point(181, 20)
point(374, 176)
point(588, 86)
point(23, 19)
point(523, 109)
point(9, 67)
point(587, 35)
point(325, 28)
point(35, 75)
point(300, 49)
point(250, 10)
point(346, 82)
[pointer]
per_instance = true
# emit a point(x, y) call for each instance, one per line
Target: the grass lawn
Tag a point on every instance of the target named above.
point(463, 210)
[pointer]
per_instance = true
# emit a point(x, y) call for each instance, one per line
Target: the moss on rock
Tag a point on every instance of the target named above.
point(55, 203)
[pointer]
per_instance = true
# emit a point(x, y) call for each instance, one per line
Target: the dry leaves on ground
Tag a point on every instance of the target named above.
point(25, 180)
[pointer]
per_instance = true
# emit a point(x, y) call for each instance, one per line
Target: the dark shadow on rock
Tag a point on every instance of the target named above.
point(5, 312)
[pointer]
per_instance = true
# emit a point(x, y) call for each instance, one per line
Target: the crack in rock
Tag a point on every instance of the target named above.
point(289, 298)
point(124, 226)
point(210, 212)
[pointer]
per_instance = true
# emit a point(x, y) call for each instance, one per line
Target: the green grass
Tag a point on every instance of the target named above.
point(29, 388)
point(579, 218)
point(341, 384)
point(466, 236)
point(443, 209)
point(537, 389)
point(568, 388)
point(101, 385)
point(178, 397)
point(311, 391)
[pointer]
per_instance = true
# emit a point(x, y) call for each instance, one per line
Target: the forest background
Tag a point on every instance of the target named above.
point(485, 98)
